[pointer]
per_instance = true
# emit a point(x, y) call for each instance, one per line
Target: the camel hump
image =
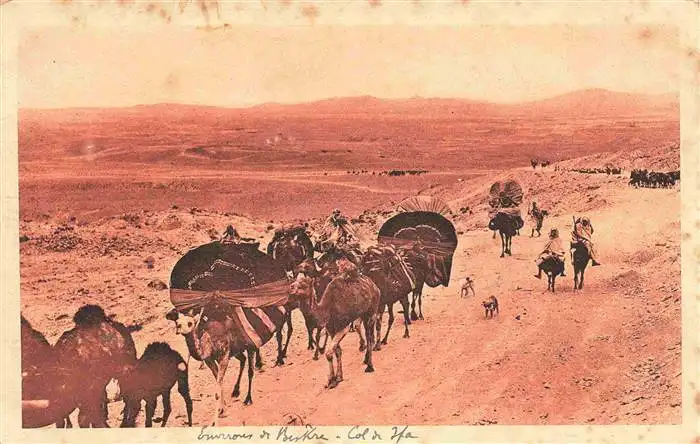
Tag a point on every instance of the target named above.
point(89, 315)
point(157, 348)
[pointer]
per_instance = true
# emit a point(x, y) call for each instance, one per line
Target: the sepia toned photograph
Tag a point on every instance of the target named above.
point(301, 224)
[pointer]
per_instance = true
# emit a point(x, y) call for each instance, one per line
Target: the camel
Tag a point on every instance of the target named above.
point(394, 280)
point(423, 274)
point(552, 267)
point(48, 390)
point(579, 258)
point(347, 297)
point(155, 374)
point(507, 227)
point(290, 248)
point(98, 349)
point(213, 336)
point(321, 278)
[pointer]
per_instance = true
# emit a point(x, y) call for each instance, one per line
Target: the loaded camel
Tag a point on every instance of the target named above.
point(507, 226)
point(424, 272)
point(48, 390)
point(290, 247)
point(213, 336)
point(395, 280)
point(348, 297)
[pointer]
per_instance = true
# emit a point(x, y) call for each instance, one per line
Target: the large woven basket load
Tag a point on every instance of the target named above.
point(424, 203)
point(232, 274)
point(505, 197)
point(506, 194)
point(234, 280)
point(430, 229)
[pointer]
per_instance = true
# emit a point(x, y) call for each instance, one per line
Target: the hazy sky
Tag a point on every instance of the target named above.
point(248, 65)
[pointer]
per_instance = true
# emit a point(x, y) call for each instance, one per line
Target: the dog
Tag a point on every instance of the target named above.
point(491, 305)
point(467, 285)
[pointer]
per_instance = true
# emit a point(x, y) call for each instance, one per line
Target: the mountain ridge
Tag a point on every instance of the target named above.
point(586, 101)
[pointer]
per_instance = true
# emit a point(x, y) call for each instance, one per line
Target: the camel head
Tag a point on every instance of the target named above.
point(302, 287)
point(308, 267)
point(184, 323)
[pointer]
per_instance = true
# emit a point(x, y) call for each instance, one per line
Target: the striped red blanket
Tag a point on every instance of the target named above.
point(258, 325)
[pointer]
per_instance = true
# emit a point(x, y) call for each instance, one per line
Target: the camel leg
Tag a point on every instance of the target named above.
point(407, 321)
point(420, 304)
point(325, 341)
point(167, 407)
point(183, 386)
point(334, 349)
point(237, 388)
point(339, 359)
point(331, 371)
point(251, 372)
point(317, 349)
point(132, 408)
point(278, 336)
point(369, 332)
point(580, 282)
point(509, 242)
point(290, 329)
point(414, 316)
point(390, 308)
point(363, 343)
point(310, 332)
point(378, 327)
point(258, 360)
point(503, 244)
point(150, 410)
point(218, 368)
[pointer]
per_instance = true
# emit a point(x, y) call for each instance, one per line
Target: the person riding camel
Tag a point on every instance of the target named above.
point(583, 233)
point(553, 248)
point(338, 230)
point(231, 236)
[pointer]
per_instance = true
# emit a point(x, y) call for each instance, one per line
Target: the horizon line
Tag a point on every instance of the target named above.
point(252, 106)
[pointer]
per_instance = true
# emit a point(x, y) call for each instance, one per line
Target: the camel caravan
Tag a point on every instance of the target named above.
point(229, 299)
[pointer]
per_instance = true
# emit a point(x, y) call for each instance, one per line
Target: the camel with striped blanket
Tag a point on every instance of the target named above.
point(214, 334)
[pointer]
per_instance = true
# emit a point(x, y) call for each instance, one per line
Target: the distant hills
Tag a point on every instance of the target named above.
point(584, 103)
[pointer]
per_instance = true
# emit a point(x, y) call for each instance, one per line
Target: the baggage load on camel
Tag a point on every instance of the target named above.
point(512, 213)
point(235, 274)
point(505, 194)
point(433, 232)
point(236, 280)
point(424, 203)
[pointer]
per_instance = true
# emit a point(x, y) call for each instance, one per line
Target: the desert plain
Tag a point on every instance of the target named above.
point(101, 190)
